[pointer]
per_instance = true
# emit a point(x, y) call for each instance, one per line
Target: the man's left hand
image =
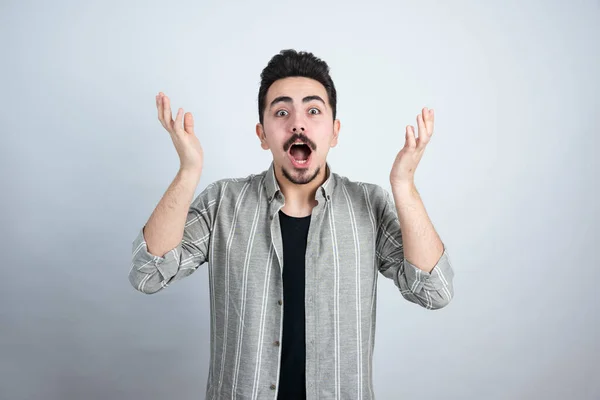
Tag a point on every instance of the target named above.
point(403, 170)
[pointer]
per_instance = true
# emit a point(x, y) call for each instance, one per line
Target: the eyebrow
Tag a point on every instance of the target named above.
point(287, 99)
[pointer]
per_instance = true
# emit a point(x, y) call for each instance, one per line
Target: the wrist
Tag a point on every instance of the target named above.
point(404, 187)
point(190, 173)
point(405, 194)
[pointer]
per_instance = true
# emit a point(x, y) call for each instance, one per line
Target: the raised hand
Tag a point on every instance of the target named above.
point(191, 155)
point(407, 160)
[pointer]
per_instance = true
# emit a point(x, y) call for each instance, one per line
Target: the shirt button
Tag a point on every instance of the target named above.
point(271, 217)
point(276, 343)
point(279, 302)
point(272, 387)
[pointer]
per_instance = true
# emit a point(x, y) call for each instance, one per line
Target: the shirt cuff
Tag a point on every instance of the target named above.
point(148, 263)
point(440, 276)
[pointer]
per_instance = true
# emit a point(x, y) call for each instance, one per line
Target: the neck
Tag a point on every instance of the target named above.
point(300, 199)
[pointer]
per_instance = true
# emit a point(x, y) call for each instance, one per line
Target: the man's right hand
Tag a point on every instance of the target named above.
point(191, 155)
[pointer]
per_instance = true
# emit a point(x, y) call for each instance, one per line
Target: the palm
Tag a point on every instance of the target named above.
point(410, 155)
point(181, 129)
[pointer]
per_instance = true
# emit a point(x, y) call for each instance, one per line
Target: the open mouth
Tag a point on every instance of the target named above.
point(300, 153)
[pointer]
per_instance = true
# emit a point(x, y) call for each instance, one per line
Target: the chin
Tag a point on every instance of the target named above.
point(300, 176)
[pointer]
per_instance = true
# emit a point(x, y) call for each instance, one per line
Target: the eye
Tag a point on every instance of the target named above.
point(314, 111)
point(281, 113)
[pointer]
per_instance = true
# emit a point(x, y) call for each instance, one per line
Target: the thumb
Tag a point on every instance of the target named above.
point(188, 123)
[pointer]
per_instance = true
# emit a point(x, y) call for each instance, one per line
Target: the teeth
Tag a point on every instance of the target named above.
point(300, 161)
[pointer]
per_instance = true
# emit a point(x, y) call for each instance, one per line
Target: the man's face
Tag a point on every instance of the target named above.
point(298, 127)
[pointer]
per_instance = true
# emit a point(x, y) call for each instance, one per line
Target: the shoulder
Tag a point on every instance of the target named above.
point(230, 187)
point(370, 192)
point(236, 184)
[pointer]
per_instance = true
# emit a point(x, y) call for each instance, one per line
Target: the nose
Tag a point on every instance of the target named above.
point(296, 122)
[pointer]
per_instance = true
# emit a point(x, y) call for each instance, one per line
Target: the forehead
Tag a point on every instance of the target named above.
point(297, 88)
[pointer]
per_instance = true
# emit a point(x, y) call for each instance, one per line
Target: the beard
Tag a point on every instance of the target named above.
point(302, 177)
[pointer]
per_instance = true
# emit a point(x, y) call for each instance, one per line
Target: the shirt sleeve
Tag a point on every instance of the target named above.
point(151, 273)
point(431, 290)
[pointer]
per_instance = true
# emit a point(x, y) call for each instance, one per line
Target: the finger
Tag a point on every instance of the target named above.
point(422, 142)
point(159, 108)
point(422, 132)
point(167, 116)
point(188, 123)
point(428, 117)
point(178, 121)
point(411, 141)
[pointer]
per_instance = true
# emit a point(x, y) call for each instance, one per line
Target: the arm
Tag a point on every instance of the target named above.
point(432, 288)
point(412, 253)
point(164, 229)
point(422, 245)
point(175, 240)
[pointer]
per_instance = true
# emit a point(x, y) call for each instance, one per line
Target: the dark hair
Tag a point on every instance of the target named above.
point(289, 63)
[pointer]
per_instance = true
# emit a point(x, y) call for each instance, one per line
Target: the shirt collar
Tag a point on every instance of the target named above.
point(325, 190)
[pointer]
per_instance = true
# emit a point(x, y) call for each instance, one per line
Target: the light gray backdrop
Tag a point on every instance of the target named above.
point(509, 180)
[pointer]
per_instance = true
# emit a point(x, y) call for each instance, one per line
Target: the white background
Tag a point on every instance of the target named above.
point(509, 180)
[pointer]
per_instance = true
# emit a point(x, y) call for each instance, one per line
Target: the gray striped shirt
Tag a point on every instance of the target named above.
point(233, 226)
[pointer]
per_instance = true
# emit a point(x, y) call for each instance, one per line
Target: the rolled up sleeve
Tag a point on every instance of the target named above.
point(433, 289)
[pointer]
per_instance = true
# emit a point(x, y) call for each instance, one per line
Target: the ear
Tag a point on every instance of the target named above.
point(260, 132)
point(336, 132)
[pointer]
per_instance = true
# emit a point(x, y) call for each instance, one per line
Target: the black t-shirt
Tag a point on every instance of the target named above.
point(294, 232)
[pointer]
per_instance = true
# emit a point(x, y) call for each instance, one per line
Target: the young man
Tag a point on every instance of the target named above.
point(293, 253)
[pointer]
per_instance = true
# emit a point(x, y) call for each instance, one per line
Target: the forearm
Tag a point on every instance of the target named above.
point(164, 229)
point(422, 245)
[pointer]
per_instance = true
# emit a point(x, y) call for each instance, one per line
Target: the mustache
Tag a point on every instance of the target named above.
point(302, 137)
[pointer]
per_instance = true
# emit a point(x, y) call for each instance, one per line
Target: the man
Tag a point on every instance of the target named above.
point(294, 252)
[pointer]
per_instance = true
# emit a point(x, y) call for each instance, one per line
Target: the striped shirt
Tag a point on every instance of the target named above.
point(233, 226)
